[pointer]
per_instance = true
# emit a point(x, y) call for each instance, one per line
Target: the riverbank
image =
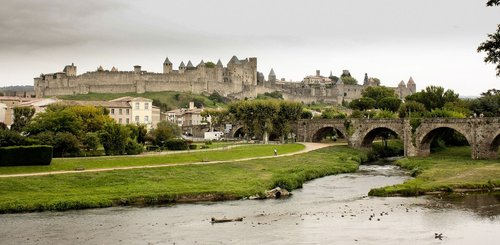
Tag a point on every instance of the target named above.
point(447, 171)
point(190, 183)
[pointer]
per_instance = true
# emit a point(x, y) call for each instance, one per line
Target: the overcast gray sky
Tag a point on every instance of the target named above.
point(434, 41)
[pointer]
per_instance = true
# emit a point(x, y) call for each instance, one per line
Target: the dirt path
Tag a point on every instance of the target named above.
point(308, 147)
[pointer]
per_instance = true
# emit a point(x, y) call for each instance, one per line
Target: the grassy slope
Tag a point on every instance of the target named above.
point(445, 171)
point(167, 97)
point(169, 184)
point(121, 161)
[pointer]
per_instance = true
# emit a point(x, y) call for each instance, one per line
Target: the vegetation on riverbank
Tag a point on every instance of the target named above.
point(449, 170)
point(68, 164)
point(210, 182)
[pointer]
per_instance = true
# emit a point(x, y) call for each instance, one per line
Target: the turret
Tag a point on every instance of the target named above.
point(137, 69)
point(167, 66)
point(182, 67)
point(202, 64)
point(100, 68)
point(70, 70)
point(219, 64)
point(366, 81)
point(402, 84)
point(190, 66)
point(412, 86)
point(318, 73)
point(271, 77)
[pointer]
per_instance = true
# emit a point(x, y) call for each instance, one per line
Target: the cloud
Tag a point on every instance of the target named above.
point(30, 24)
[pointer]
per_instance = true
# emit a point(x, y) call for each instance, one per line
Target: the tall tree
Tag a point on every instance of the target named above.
point(492, 45)
point(433, 97)
point(22, 117)
point(288, 113)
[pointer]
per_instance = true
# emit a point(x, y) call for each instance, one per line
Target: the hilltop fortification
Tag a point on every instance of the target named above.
point(238, 79)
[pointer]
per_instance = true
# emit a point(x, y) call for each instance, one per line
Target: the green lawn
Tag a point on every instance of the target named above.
point(239, 152)
point(220, 181)
point(446, 171)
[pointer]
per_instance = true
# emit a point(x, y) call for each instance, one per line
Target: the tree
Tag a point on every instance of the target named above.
point(138, 132)
point(389, 103)
point(348, 80)
point(363, 103)
point(433, 97)
point(22, 117)
point(256, 116)
point(411, 109)
point(218, 117)
point(288, 113)
point(114, 137)
point(90, 141)
point(65, 143)
point(378, 92)
point(492, 45)
point(488, 104)
point(164, 131)
point(306, 114)
point(56, 121)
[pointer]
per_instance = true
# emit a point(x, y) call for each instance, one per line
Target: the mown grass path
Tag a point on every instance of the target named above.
point(220, 155)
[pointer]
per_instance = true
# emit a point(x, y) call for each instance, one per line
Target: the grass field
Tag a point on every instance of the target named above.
point(220, 181)
point(239, 152)
point(447, 170)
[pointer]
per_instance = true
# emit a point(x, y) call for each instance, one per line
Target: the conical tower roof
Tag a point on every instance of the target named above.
point(167, 62)
point(182, 65)
point(202, 63)
point(114, 69)
point(271, 73)
point(219, 63)
point(402, 84)
point(190, 65)
point(411, 81)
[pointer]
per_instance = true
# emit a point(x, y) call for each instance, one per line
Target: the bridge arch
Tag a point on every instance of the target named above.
point(321, 133)
point(425, 137)
point(371, 134)
point(494, 145)
point(237, 132)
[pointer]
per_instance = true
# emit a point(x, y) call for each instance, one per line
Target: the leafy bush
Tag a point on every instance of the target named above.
point(177, 144)
point(446, 113)
point(133, 148)
point(193, 147)
point(25, 155)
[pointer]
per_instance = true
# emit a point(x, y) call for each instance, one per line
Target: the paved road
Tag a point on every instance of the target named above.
point(308, 147)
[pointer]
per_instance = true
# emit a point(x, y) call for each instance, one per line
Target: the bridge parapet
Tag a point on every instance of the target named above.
point(483, 134)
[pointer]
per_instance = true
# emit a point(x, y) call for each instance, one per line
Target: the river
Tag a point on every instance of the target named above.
point(329, 210)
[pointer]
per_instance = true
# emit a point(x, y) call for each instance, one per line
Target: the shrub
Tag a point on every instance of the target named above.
point(193, 147)
point(133, 148)
point(177, 144)
point(152, 148)
point(208, 142)
point(25, 155)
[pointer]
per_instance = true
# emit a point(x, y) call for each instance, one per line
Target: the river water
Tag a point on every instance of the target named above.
point(330, 210)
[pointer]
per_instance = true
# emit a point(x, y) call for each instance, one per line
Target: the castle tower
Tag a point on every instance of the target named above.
point(167, 66)
point(219, 64)
point(411, 86)
point(340, 91)
point(182, 67)
point(137, 69)
point(70, 70)
point(202, 64)
point(100, 68)
point(366, 81)
point(271, 77)
point(318, 73)
point(190, 66)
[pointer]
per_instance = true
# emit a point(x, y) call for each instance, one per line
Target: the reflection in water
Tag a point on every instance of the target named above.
point(332, 209)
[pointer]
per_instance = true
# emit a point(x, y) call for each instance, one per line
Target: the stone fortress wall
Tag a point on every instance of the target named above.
point(238, 79)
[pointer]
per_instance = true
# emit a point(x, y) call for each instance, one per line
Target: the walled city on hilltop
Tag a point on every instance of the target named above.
point(238, 79)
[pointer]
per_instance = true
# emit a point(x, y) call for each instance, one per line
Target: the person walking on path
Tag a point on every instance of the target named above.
point(275, 152)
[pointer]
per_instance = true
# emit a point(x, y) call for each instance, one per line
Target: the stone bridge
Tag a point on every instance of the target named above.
point(483, 134)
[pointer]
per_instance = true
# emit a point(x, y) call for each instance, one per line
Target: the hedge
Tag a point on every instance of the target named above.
point(25, 155)
point(177, 144)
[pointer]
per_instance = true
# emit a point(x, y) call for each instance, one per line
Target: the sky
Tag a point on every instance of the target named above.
point(434, 41)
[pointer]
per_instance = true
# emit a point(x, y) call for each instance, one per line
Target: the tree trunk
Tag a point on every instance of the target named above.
point(265, 137)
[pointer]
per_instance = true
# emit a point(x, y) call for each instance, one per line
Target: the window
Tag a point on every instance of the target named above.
point(112, 111)
point(120, 111)
point(127, 120)
point(146, 119)
point(127, 111)
point(137, 105)
point(137, 119)
point(146, 106)
point(120, 120)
